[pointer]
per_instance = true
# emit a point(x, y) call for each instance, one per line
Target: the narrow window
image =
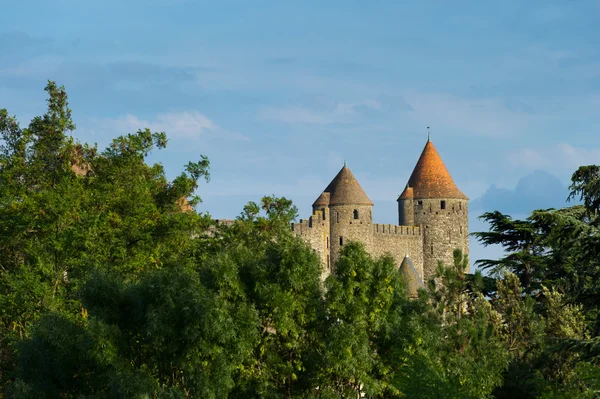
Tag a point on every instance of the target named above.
point(420, 205)
point(328, 267)
point(356, 214)
point(461, 230)
point(443, 204)
point(323, 213)
point(341, 241)
point(337, 216)
point(429, 208)
point(327, 241)
point(460, 206)
point(432, 249)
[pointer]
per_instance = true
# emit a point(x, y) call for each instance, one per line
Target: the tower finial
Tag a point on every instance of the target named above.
point(428, 135)
point(344, 163)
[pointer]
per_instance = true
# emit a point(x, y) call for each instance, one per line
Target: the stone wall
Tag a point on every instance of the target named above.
point(328, 235)
point(398, 241)
point(315, 231)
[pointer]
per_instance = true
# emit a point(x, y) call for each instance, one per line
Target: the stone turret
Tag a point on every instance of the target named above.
point(406, 212)
point(411, 277)
point(432, 200)
point(350, 212)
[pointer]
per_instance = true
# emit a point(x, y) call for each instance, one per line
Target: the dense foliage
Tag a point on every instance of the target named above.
point(112, 286)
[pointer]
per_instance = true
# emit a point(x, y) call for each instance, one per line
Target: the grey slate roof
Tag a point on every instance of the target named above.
point(345, 190)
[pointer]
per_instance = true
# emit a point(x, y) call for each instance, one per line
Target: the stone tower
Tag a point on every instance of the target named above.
point(349, 212)
point(432, 200)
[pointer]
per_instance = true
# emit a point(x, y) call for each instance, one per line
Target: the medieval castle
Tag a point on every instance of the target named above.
point(432, 221)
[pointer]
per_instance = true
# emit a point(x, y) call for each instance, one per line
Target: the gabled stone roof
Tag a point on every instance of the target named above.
point(345, 190)
point(323, 200)
point(430, 178)
point(411, 277)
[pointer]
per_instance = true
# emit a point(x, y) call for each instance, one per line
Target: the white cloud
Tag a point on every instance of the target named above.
point(184, 124)
point(179, 125)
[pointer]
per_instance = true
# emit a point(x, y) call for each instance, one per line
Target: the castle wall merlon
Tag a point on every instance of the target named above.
point(379, 228)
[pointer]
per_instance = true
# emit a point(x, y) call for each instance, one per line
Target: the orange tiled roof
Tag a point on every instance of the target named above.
point(408, 192)
point(345, 190)
point(430, 178)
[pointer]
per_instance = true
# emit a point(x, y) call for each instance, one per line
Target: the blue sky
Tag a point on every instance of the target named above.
point(279, 94)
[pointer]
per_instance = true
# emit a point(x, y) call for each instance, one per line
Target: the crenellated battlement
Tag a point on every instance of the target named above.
point(315, 221)
point(392, 229)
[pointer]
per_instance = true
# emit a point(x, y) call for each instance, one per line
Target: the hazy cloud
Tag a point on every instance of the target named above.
point(296, 115)
point(177, 125)
point(479, 116)
point(562, 159)
point(486, 117)
point(336, 113)
point(12, 43)
point(134, 74)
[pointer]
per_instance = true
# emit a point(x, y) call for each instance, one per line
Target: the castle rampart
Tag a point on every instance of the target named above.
point(432, 216)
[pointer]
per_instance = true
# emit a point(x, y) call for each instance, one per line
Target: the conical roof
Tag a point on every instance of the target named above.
point(345, 190)
point(430, 178)
point(408, 192)
point(411, 277)
point(323, 200)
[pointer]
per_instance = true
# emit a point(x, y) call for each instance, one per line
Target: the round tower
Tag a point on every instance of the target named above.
point(406, 209)
point(350, 212)
point(439, 207)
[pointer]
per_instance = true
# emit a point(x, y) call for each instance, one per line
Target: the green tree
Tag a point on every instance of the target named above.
point(359, 296)
point(446, 341)
point(280, 276)
point(68, 210)
point(166, 336)
point(555, 248)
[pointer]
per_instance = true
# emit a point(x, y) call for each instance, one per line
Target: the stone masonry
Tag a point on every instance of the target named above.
point(432, 215)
